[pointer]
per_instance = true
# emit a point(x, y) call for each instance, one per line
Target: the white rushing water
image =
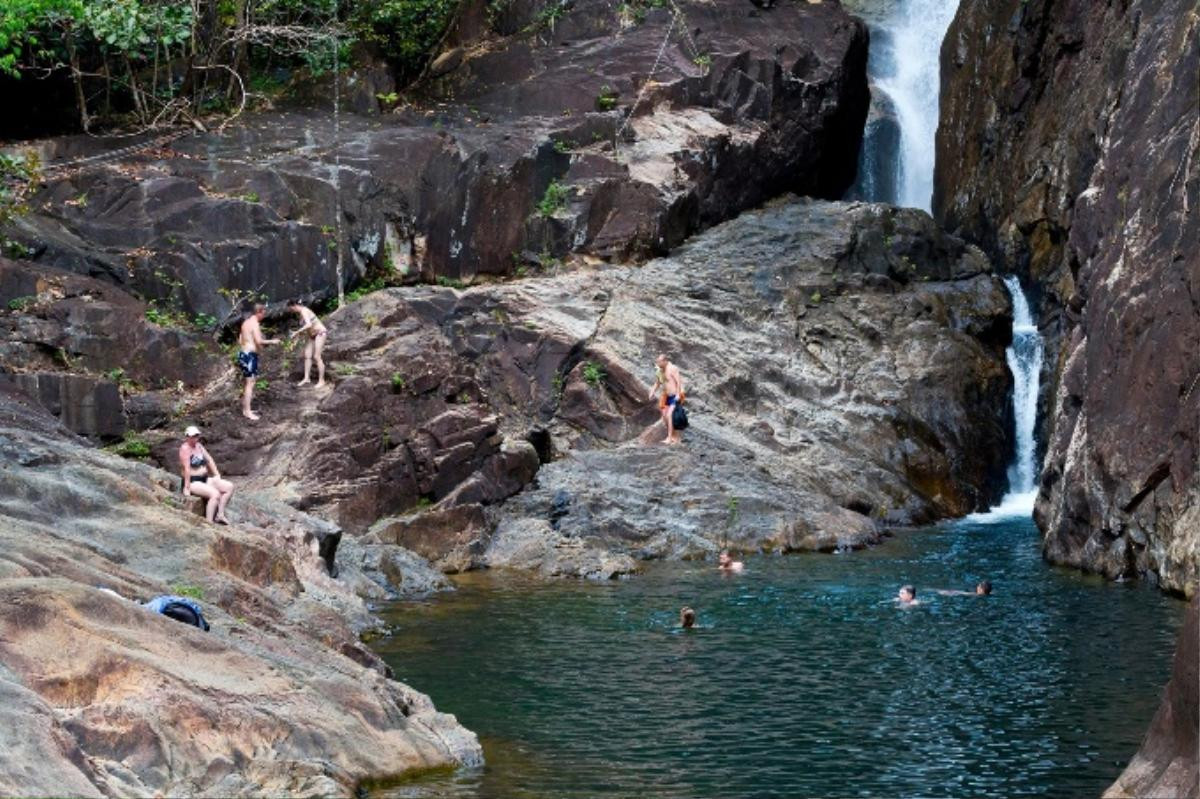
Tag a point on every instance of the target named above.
point(917, 30)
point(906, 42)
point(1024, 357)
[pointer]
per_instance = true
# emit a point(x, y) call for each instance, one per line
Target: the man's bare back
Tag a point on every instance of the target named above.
point(251, 335)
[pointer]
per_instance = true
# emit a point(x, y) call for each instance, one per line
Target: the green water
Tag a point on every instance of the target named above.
point(805, 678)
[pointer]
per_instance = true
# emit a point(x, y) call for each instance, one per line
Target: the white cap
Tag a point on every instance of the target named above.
point(191, 431)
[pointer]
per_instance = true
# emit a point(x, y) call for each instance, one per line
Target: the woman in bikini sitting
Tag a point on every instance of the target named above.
point(201, 477)
point(316, 341)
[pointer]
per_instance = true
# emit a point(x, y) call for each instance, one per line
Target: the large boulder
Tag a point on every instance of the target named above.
point(104, 698)
point(843, 365)
point(1068, 149)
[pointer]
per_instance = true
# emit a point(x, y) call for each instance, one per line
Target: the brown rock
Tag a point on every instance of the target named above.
point(1068, 148)
point(102, 697)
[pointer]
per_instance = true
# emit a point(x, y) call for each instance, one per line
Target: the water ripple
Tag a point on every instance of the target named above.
point(804, 678)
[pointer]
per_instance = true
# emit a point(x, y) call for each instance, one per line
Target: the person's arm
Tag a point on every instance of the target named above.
point(258, 337)
point(679, 382)
point(212, 465)
point(300, 330)
point(186, 472)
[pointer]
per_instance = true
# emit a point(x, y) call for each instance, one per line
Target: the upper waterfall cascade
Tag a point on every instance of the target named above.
point(906, 40)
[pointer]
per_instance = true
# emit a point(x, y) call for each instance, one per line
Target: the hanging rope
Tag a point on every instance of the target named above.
point(337, 160)
point(649, 79)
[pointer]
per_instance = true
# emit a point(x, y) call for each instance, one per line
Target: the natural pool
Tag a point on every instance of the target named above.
point(804, 680)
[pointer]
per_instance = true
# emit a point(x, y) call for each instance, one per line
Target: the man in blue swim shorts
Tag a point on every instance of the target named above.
point(251, 341)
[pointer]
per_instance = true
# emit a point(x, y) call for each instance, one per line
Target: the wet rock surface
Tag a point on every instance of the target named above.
point(542, 142)
point(1070, 150)
point(103, 698)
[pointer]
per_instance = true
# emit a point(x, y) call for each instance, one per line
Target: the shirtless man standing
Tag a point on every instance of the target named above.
point(250, 340)
point(668, 384)
point(316, 341)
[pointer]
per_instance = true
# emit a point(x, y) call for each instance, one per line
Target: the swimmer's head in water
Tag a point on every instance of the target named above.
point(907, 593)
point(724, 558)
point(984, 588)
point(687, 617)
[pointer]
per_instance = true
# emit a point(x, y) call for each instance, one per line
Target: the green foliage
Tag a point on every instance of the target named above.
point(345, 369)
point(364, 289)
point(250, 197)
point(451, 282)
point(703, 61)
point(562, 146)
point(593, 374)
point(262, 384)
point(118, 376)
point(203, 321)
point(398, 382)
point(606, 100)
point(390, 98)
point(190, 591)
point(550, 14)
point(815, 298)
point(406, 32)
point(21, 303)
point(165, 317)
point(554, 200)
point(132, 446)
point(19, 174)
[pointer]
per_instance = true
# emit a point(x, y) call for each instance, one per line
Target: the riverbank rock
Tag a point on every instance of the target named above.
point(103, 698)
point(545, 141)
point(1069, 149)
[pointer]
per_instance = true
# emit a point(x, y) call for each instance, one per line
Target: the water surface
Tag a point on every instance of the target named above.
point(805, 678)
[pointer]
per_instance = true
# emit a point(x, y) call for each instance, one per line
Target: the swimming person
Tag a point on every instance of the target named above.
point(668, 384)
point(250, 339)
point(687, 618)
point(201, 477)
point(983, 588)
point(727, 564)
point(316, 341)
point(907, 597)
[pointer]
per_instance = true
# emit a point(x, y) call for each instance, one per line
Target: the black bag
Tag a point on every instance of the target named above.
point(186, 614)
point(679, 418)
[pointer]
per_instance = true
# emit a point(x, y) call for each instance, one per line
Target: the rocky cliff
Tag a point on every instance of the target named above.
point(592, 131)
point(103, 698)
point(1069, 148)
point(845, 372)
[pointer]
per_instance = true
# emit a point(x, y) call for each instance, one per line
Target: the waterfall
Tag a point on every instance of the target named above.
point(906, 40)
point(1024, 356)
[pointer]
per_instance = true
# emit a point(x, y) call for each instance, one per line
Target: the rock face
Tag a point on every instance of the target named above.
point(103, 698)
point(549, 140)
point(1166, 765)
point(844, 364)
point(1069, 149)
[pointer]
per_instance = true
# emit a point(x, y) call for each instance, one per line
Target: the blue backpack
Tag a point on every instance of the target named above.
point(179, 608)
